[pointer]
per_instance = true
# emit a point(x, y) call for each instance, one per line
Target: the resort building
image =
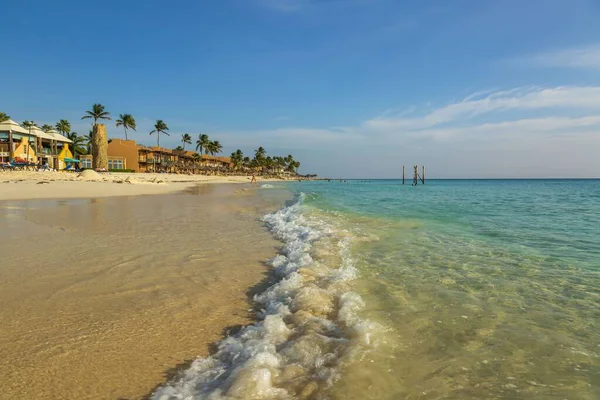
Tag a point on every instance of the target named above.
point(32, 145)
point(127, 154)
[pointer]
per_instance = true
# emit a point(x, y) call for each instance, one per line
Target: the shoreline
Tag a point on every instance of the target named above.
point(122, 322)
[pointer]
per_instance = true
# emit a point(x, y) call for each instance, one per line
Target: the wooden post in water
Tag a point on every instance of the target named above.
point(403, 174)
point(416, 176)
point(423, 176)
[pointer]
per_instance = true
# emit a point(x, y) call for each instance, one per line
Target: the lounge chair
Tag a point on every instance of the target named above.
point(18, 165)
point(7, 166)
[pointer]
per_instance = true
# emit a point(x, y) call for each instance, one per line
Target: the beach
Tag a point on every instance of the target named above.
point(345, 290)
point(15, 185)
point(105, 291)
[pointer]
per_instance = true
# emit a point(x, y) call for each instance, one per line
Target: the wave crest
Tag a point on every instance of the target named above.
point(308, 325)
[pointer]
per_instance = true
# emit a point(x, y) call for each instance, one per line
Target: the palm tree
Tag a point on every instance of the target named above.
point(88, 141)
point(46, 127)
point(259, 156)
point(126, 121)
point(160, 127)
point(237, 158)
point(3, 117)
point(97, 113)
point(186, 139)
point(214, 148)
point(79, 143)
point(280, 163)
point(63, 126)
point(202, 143)
point(178, 148)
point(293, 165)
point(218, 147)
point(28, 125)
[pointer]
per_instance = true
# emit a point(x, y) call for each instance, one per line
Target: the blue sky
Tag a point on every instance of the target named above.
point(352, 88)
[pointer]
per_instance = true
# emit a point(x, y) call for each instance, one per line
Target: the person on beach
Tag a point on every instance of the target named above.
point(253, 180)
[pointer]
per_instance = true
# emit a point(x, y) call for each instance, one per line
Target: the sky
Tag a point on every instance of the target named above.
point(351, 88)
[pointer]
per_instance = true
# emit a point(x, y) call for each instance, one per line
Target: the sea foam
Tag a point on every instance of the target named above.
point(308, 324)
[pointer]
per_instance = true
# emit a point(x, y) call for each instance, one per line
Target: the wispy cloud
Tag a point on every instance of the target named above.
point(525, 131)
point(575, 57)
point(525, 98)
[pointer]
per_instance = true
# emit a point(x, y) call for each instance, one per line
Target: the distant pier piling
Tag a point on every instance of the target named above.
point(416, 177)
point(403, 174)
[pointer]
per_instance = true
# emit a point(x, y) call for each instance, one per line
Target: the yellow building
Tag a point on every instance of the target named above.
point(30, 144)
point(25, 151)
point(65, 156)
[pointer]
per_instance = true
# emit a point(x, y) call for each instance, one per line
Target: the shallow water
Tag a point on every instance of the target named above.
point(453, 289)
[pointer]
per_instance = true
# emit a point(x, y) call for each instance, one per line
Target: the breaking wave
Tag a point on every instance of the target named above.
point(308, 326)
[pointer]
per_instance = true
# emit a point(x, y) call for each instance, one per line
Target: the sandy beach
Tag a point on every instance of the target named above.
point(105, 297)
point(23, 185)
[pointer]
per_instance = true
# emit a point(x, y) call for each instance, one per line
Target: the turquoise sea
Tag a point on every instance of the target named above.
point(456, 289)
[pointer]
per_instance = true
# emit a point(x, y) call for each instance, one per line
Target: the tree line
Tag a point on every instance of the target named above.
point(204, 145)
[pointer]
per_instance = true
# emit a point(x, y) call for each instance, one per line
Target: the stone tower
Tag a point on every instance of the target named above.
point(100, 147)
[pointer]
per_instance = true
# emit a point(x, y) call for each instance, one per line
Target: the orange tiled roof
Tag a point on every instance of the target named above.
point(161, 150)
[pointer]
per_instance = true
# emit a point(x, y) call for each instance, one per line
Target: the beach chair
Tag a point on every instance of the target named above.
point(6, 166)
point(18, 165)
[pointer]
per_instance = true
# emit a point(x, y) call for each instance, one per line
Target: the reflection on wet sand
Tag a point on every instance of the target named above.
point(102, 298)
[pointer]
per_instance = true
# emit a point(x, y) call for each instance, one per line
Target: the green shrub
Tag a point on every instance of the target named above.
point(122, 170)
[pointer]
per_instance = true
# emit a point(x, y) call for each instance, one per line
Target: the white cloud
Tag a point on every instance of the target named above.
point(547, 126)
point(530, 98)
point(521, 132)
point(576, 57)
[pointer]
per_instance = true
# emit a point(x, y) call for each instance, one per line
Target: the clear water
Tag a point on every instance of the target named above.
point(469, 289)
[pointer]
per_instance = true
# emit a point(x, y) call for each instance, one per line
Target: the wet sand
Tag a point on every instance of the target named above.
point(105, 298)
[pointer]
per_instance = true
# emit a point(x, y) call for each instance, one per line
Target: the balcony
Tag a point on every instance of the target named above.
point(48, 152)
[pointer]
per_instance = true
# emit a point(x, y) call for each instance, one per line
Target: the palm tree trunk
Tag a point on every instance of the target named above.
point(125, 132)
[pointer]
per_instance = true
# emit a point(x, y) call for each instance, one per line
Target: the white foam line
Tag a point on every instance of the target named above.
point(308, 326)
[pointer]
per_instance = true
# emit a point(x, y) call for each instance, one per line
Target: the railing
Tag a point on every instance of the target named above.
point(48, 151)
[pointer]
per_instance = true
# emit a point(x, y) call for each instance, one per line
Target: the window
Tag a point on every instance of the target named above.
point(115, 164)
point(86, 163)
